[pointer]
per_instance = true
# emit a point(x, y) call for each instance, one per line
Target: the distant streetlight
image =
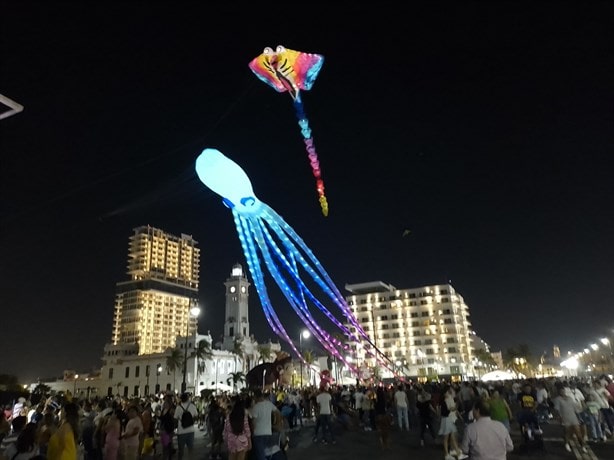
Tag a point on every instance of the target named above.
point(194, 312)
point(74, 388)
point(305, 334)
point(158, 372)
point(594, 346)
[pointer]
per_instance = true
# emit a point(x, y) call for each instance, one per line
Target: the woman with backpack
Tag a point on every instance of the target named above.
point(237, 434)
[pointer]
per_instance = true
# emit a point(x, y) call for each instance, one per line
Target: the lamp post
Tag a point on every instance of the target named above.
point(305, 334)
point(158, 371)
point(74, 387)
point(607, 342)
point(194, 312)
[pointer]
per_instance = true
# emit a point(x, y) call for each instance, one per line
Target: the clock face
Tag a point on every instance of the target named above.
point(243, 289)
point(233, 289)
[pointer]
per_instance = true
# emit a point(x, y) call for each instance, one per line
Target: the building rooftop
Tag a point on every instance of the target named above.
point(370, 286)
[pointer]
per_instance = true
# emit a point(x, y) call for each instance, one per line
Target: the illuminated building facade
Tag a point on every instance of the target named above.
point(424, 331)
point(153, 308)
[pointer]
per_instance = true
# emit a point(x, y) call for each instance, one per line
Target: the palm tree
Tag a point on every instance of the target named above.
point(310, 358)
point(483, 358)
point(238, 351)
point(202, 353)
point(174, 361)
point(235, 378)
point(265, 352)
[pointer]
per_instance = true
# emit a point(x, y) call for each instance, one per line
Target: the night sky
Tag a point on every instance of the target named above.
point(487, 130)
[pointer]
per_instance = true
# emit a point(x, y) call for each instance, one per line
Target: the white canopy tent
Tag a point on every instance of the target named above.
point(501, 375)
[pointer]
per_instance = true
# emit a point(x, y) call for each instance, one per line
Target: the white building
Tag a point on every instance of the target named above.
point(424, 331)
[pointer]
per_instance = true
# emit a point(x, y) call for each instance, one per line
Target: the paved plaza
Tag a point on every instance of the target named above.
point(358, 445)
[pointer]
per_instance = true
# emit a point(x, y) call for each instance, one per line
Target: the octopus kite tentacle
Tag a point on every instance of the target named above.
point(266, 237)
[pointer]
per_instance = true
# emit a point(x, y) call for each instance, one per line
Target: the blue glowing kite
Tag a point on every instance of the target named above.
point(265, 236)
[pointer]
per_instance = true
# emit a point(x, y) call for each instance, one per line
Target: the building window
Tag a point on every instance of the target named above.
point(395, 316)
point(136, 390)
point(364, 309)
point(454, 369)
point(383, 318)
point(423, 302)
point(137, 372)
point(452, 350)
point(424, 313)
point(412, 295)
point(417, 342)
point(414, 314)
point(110, 373)
point(231, 331)
point(127, 374)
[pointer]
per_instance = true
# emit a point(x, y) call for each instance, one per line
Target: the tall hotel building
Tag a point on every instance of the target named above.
point(424, 331)
point(153, 308)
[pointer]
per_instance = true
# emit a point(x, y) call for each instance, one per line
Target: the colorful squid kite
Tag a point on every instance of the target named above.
point(293, 71)
point(266, 237)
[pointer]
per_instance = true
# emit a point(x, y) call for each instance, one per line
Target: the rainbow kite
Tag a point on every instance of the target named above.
point(293, 71)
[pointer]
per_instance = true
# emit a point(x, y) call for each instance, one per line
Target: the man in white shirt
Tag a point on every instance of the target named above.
point(324, 401)
point(185, 432)
point(400, 401)
point(261, 414)
point(486, 439)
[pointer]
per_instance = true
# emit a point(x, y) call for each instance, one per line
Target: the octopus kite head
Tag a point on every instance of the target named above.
point(227, 179)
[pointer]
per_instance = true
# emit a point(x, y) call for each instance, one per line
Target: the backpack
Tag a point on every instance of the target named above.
point(187, 419)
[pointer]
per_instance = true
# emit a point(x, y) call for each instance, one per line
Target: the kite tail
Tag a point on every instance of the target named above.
point(311, 152)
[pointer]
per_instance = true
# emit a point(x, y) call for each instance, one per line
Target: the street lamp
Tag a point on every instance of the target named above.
point(305, 334)
point(158, 371)
point(74, 388)
point(194, 312)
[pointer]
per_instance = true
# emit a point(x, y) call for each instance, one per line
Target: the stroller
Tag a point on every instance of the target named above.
point(276, 450)
point(532, 438)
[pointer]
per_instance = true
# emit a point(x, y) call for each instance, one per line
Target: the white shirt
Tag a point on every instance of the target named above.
point(185, 406)
point(358, 397)
point(542, 395)
point(400, 399)
point(261, 414)
point(486, 439)
point(324, 400)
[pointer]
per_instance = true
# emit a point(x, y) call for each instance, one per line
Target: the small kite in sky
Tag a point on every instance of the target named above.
point(293, 71)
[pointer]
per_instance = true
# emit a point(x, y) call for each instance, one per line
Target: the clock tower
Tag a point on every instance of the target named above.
point(236, 325)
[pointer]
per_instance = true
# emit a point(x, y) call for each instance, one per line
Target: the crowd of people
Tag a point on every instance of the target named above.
point(469, 418)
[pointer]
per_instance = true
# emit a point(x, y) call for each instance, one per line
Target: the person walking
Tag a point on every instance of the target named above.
point(237, 434)
point(185, 415)
point(486, 439)
point(262, 413)
point(400, 402)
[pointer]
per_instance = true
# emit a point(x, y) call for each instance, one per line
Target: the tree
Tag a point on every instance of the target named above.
point(174, 361)
point(484, 359)
point(202, 353)
point(310, 358)
point(235, 378)
point(518, 359)
point(40, 392)
point(238, 351)
point(265, 353)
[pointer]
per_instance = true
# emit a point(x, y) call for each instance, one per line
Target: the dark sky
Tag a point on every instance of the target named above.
point(485, 129)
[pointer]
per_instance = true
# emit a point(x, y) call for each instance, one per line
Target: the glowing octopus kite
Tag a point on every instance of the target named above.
point(292, 71)
point(265, 236)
